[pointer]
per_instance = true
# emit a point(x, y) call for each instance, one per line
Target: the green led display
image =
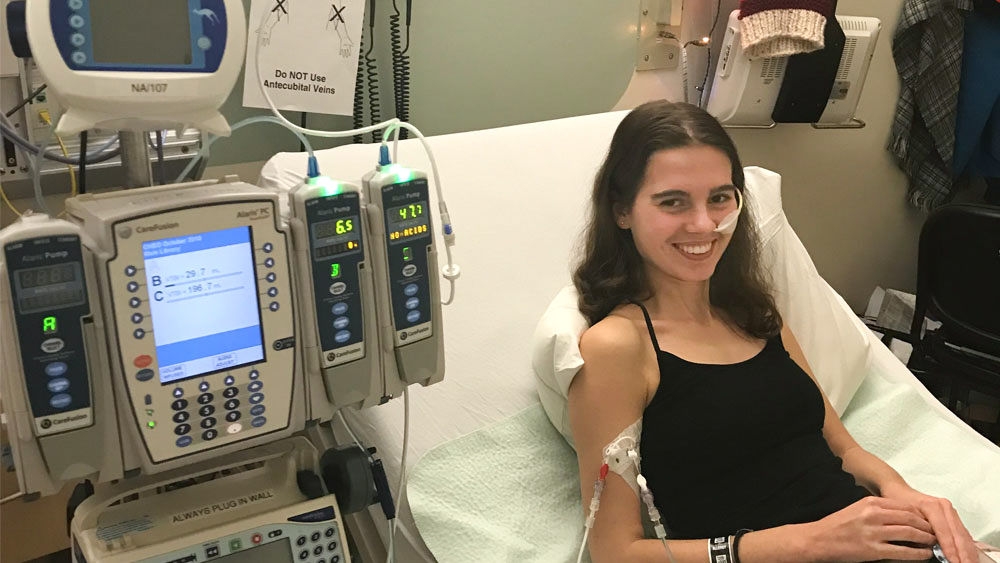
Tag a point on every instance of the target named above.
point(49, 325)
point(335, 270)
point(411, 211)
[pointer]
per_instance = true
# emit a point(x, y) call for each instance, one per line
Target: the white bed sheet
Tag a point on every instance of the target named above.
point(517, 197)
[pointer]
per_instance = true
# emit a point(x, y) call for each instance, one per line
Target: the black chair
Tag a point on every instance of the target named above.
point(958, 284)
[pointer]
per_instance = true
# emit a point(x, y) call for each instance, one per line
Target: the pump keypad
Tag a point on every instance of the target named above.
point(214, 408)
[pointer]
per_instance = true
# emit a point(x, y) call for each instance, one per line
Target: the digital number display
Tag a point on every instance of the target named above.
point(203, 302)
point(407, 221)
point(47, 275)
point(337, 236)
point(334, 249)
point(51, 300)
point(49, 287)
point(406, 213)
point(336, 227)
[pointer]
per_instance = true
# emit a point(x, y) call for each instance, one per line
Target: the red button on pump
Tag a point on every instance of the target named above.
point(142, 361)
point(256, 538)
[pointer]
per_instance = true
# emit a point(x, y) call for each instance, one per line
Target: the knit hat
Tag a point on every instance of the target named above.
point(773, 28)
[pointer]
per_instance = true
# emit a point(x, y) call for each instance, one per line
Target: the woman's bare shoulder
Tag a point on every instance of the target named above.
point(616, 336)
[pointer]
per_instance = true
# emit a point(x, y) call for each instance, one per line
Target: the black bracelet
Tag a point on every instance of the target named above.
point(736, 543)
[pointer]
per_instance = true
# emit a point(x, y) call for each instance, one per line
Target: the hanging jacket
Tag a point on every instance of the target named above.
point(927, 49)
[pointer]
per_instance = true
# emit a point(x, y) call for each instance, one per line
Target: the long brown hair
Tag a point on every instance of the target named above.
point(611, 271)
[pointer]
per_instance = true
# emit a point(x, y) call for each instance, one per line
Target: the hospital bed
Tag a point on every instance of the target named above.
point(490, 476)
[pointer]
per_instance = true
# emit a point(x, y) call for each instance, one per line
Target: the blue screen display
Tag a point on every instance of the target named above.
point(203, 302)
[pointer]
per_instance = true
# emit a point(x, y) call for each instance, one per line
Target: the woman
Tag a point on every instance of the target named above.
point(736, 434)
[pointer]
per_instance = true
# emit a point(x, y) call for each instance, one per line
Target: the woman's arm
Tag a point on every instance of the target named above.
point(605, 397)
point(881, 479)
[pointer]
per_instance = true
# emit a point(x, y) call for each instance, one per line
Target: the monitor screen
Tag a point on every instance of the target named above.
point(148, 32)
point(203, 302)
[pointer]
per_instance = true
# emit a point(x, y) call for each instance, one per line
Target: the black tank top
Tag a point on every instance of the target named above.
point(734, 446)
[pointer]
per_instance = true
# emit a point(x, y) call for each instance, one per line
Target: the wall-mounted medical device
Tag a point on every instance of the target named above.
point(99, 62)
point(407, 284)
point(337, 296)
point(197, 292)
point(255, 515)
point(745, 89)
point(57, 396)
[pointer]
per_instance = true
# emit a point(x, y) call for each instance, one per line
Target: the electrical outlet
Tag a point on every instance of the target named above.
point(659, 34)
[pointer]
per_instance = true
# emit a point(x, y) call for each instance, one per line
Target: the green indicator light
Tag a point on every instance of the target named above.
point(48, 325)
point(330, 187)
point(335, 270)
point(398, 173)
point(151, 424)
point(407, 254)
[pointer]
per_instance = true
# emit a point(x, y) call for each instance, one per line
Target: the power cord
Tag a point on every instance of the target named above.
point(7, 130)
point(26, 101)
point(47, 118)
point(72, 172)
point(371, 72)
point(160, 172)
point(708, 65)
point(400, 62)
point(83, 161)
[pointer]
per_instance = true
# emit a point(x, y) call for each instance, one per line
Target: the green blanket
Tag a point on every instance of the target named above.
point(510, 491)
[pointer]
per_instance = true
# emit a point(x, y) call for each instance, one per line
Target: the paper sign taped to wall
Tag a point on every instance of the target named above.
point(308, 54)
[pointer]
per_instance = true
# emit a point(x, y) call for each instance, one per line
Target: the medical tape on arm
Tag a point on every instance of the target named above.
point(622, 457)
point(616, 455)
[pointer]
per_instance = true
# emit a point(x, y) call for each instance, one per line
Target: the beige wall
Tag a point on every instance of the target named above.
point(489, 64)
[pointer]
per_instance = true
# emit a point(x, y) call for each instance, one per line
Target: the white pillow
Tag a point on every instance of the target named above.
point(555, 356)
point(835, 342)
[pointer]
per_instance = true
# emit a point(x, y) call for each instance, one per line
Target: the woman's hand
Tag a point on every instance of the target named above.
point(871, 529)
point(947, 527)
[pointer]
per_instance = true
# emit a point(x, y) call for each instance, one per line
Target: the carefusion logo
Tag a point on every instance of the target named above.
point(254, 214)
point(418, 333)
point(156, 227)
point(345, 354)
point(47, 423)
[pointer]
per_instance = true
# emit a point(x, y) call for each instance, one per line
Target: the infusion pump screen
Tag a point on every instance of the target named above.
point(203, 302)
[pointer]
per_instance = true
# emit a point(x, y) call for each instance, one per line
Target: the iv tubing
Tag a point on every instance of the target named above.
point(206, 149)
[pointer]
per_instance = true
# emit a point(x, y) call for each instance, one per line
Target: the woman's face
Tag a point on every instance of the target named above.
point(684, 195)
